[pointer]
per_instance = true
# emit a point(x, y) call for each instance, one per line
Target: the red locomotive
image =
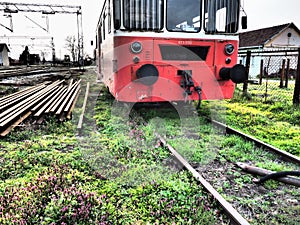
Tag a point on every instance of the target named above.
point(169, 50)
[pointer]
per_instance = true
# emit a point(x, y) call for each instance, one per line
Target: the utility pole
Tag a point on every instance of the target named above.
point(80, 39)
point(53, 51)
point(296, 97)
point(245, 85)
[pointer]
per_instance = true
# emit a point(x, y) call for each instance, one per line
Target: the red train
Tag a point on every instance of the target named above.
point(169, 50)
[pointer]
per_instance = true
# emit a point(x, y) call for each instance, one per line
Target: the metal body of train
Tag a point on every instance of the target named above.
point(169, 50)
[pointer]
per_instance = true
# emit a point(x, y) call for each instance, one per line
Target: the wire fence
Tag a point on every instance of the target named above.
point(272, 75)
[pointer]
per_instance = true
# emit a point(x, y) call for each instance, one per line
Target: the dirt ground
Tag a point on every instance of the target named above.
point(258, 203)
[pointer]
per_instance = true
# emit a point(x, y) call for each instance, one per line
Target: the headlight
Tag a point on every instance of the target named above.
point(229, 49)
point(136, 47)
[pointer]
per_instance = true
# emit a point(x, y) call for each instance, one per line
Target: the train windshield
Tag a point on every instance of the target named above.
point(184, 16)
point(221, 16)
point(143, 14)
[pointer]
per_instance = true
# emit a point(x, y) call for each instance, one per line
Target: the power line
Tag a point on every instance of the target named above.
point(9, 7)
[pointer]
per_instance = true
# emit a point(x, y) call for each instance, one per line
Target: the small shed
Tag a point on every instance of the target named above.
point(4, 60)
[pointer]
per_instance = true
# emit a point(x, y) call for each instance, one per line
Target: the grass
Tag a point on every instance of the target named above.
point(262, 121)
point(117, 173)
point(275, 122)
point(114, 173)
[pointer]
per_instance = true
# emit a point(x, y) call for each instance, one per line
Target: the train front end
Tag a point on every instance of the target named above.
point(164, 52)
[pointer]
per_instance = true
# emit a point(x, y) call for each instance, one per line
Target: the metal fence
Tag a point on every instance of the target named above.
point(272, 75)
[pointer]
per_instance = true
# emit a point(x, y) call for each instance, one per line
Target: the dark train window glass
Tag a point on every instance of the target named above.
point(143, 14)
point(184, 16)
point(100, 33)
point(117, 14)
point(103, 28)
point(109, 18)
point(221, 16)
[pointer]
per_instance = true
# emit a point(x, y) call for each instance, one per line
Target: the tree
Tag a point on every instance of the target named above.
point(71, 47)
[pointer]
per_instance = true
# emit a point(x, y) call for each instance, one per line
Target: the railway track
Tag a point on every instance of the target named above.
point(235, 217)
point(31, 70)
point(214, 178)
point(231, 212)
point(285, 155)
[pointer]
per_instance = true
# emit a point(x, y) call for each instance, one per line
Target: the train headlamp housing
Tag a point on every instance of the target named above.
point(229, 49)
point(136, 47)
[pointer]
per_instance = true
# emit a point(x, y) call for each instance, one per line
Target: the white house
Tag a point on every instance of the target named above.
point(4, 61)
point(277, 38)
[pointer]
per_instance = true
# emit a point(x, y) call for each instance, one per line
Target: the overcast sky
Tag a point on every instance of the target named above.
point(261, 13)
point(267, 13)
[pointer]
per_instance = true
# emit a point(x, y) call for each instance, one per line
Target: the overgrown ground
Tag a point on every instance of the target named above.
point(215, 156)
point(112, 173)
point(115, 172)
point(275, 121)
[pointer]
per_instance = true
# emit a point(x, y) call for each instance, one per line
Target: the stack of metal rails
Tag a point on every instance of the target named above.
point(57, 98)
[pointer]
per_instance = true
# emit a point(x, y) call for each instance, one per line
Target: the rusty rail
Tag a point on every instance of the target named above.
point(287, 156)
point(231, 212)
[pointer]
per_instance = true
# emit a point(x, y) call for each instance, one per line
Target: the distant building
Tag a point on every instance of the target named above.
point(4, 61)
point(277, 38)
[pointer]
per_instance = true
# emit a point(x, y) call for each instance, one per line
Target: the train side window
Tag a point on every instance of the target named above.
point(117, 14)
point(221, 16)
point(109, 17)
point(103, 27)
point(232, 16)
point(144, 15)
point(100, 34)
point(209, 16)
